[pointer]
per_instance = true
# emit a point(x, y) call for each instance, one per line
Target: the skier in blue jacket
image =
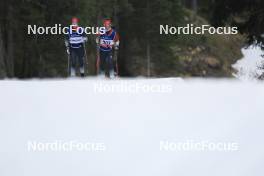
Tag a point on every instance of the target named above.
point(75, 47)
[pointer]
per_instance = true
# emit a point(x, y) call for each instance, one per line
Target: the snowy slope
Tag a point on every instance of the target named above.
point(131, 124)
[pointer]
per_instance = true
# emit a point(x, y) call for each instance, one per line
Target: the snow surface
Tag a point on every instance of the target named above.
point(131, 125)
point(248, 67)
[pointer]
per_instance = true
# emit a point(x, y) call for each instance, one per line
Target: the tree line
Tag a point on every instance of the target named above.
point(137, 21)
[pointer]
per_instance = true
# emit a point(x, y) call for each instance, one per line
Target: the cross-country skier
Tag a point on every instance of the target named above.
point(108, 44)
point(75, 47)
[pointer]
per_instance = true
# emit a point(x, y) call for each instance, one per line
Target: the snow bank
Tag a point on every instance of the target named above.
point(248, 67)
point(130, 119)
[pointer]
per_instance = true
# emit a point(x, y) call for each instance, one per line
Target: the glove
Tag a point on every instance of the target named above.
point(97, 40)
point(66, 43)
point(116, 46)
point(68, 51)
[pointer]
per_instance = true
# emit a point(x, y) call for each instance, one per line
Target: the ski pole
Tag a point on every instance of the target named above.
point(98, 57)
point(116, 62)
point(69, 57)
point(86, 59)
point(69, 65)
point(69, 61)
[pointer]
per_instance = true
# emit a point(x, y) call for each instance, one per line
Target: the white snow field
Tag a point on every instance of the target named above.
point(130, 126)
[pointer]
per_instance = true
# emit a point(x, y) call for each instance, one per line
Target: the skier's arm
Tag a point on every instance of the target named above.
point(116, 42)
point(85, 38)
point(97, 40)
point(116, 47)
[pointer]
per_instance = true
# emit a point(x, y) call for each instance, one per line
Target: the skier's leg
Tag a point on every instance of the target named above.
point(102, 62)
point(107, 64)
point(115, 67)
point(81, 60)
point(115, 62)
point(73, 62)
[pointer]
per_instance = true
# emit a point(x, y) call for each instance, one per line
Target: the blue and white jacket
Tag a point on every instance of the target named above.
point(76, 39)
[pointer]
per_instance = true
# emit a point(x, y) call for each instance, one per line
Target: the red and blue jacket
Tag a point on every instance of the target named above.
point(108, 40)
